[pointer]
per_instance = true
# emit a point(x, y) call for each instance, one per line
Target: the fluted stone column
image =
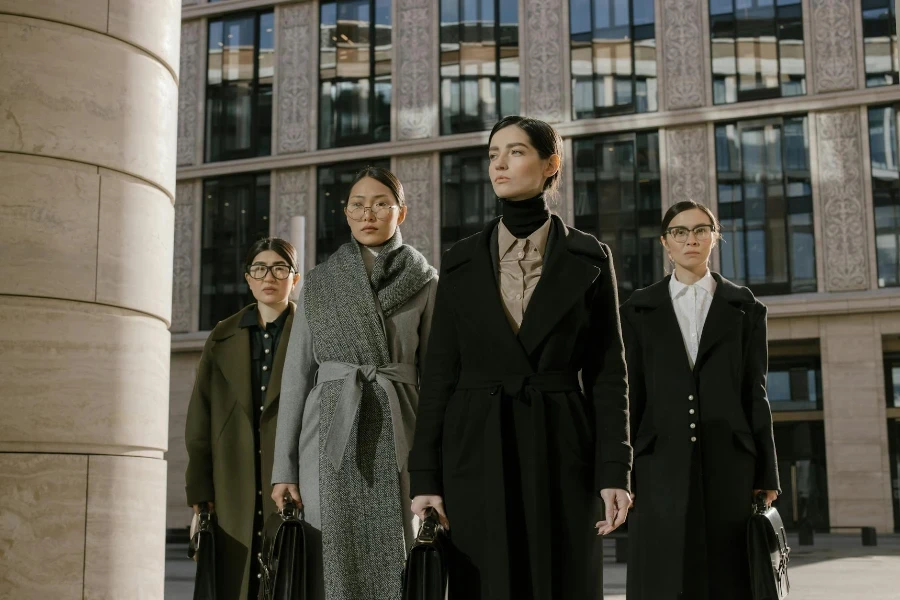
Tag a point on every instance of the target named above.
point(88, 106)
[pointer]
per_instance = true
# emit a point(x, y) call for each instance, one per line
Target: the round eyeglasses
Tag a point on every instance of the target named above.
point(278, 271)
point(382, 211)
point(681, 234)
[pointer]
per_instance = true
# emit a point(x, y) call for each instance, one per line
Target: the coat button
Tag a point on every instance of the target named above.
point(691, 397)
point(265, 368)
point(259, 492)
point(691, 411)
point(263, 388)
point(693, 425)
point(267, 350)
point(266, 336)
point(259, 575)
point(693, 439)
point(259, 533)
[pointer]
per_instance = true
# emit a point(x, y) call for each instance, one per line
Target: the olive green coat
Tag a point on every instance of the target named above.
point(220, 446)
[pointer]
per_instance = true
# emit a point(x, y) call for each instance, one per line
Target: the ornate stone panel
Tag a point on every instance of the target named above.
point(841, 200)
point(417, 174)
point(417, 62)
point(297, 81)
point(683, 60)
point(687, 162)
point(183, 263)
point(543, 57)
point(190, 72)
point(833, 27)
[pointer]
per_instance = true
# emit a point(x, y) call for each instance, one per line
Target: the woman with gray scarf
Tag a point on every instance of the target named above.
point(349, 396)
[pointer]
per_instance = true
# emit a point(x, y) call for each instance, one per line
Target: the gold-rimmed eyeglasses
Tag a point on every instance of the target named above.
point(381, 210)
point(681, 234)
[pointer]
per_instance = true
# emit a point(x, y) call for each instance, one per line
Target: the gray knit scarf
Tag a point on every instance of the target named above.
point(361, 500)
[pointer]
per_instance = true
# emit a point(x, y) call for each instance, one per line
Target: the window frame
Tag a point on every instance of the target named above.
point(478, 154)
point(892, 40)
point(893, 186)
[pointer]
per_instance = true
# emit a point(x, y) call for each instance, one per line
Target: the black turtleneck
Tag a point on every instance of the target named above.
point(524, 217)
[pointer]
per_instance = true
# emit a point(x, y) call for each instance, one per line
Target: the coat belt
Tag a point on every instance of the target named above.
point(527, 391)
point(338, 435)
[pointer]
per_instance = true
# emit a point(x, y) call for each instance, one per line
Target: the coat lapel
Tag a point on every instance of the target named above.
point(723, 317)
point(274, 388)
point(564, 279)
point(479, 298)
point(233, 357)
point(663, 323)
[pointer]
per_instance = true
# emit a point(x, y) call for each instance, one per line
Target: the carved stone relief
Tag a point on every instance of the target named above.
point(182, 268)
point(543, 57)
point(683, 61)
point(188, 84)
point(292, 199)
point(417, 62)
point(297, 81)
point(417, 174)
point(687, 162)
point(834, 45)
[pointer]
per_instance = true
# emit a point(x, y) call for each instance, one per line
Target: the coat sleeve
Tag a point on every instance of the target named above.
point(637, 387)
point(297, 380)
point(605, 382)
point(425, 327)
point(438, 384)
point(198, 437)
point(756, 369)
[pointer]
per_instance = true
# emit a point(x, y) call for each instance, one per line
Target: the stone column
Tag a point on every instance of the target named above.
point(295, 197)
point(683, 53)
point(297, 78)
point(420, 175)
point(543, 55)
point(87, 178)
point(416, 71)
point(833, 43)
point(688, 159)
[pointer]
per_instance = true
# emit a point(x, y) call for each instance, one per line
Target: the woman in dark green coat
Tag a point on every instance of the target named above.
point(230, 431)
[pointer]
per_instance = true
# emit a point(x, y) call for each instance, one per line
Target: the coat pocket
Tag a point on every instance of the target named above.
point(644, 443)
point(744, 440)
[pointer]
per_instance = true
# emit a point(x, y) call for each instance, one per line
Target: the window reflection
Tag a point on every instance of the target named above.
point(479, 63)
point(885, 193)
point(613, 57)
point(355, 72)
point(235, 214)
point(765, 205)
point(617, 199)
point(757, 49)
point(880, 42)
point(240, 74)
point(334, 183)
point(468, 201)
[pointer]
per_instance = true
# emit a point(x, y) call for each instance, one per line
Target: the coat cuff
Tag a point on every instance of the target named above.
point(425, 483)
point(198, 493)
point(613, 475)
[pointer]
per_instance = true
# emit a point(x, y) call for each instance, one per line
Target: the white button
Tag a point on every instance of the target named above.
point(259, 575)
point(259, 492)
point(266, 336)
point(263, 388)
point(693, 335)
point(519, 297)
point(691, 411)
point(693, 439)
point(259, 512)
point(691, 397)
point(265, 368)
point(259, 533)
point(267, 350)
point(693, 425)
point(521, 255)
point(262, 407)
point(259, 451)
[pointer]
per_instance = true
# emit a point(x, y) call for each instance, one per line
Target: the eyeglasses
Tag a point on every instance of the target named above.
point(382, 211)
point(681, 234)
point(278, 271)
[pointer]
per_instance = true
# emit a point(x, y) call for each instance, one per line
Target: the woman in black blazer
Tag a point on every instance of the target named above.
point(700, 420)
point(507, 439)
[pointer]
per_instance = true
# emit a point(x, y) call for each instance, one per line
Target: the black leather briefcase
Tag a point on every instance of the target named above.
point(203, 550)
point(425, 576)
point(284, 560)
point(769, 553)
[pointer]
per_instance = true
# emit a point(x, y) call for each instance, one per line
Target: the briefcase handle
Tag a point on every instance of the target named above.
point(430, 527)
point(759, 503)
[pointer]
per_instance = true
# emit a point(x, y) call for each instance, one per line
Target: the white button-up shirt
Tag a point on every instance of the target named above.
point(691, 304)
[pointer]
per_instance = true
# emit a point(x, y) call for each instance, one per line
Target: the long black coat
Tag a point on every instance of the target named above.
point(505, 432)
point(724, 396)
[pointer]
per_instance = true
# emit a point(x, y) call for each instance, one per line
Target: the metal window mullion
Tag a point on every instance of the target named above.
point(633, 61)
point(254, 93)
point(787, 213)
point(372, 45)
point(497, 52)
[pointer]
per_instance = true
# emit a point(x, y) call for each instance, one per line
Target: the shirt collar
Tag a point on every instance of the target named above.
point(251, 318)
point(538, 238)
point(706, 283)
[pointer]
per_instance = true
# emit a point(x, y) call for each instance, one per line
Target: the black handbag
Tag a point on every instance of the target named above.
point(284, 560)
point(769, 552)
point(425, 576)
point(203, 550)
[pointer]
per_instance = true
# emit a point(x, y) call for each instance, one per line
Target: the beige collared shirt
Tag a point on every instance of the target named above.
point(521, 263)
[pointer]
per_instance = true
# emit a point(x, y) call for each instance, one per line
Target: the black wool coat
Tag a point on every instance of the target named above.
point(712, 423)
point(518, 448)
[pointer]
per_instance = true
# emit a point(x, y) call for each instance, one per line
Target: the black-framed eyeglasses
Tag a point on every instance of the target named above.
point(681, 234)
point(382, 211)
point(258, 271)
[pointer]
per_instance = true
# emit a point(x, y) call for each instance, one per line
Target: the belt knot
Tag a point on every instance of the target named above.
point(368, 372)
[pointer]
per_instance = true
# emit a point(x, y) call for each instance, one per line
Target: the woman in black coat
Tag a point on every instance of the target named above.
point(701, 422)
point(507, 439)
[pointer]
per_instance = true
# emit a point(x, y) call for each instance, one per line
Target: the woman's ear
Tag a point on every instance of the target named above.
point(552, 167)
point(401, 215)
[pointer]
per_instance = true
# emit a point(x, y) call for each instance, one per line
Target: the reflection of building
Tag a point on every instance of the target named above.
point(784, 122)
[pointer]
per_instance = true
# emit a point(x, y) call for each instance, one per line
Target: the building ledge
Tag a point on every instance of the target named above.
point(189, 342)
point(833, 303)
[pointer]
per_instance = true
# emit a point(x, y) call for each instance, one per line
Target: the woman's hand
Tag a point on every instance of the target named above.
point(281, 490)
point(212, 506)
point(771, 496)
point(421, 503)
point(617, 503)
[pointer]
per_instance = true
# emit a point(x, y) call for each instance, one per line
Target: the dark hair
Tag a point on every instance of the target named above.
point(545, 140)
point(685, 205)
point(283, 248)
point(382, 175)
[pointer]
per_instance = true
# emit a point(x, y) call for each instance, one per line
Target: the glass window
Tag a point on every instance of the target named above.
point(765, 205)
point(354, 72)
point(880, 40)
point(617, 199)
point(240, 74)
point(335, 182)
point(892, 375)
point(468, 201)
point(794, 384)
point(757, 49)
point(885, 193)
point(235, 214)
point(802, 469)
point(479, 63)
point(613, 57)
